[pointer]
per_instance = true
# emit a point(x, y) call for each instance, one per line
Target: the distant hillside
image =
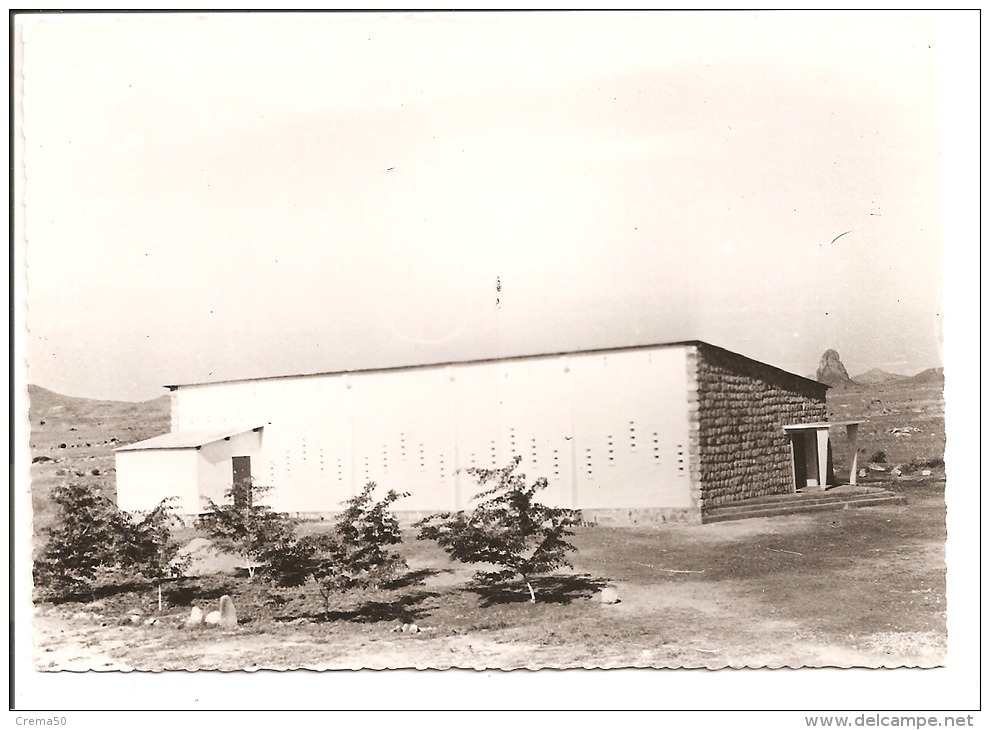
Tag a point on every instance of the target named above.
point(73, 440)
point(55, 408)
point(931, 375)
point(876, 376)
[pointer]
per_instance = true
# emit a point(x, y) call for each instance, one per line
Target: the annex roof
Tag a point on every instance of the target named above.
point(819, 425)
point(511, 358)
point(187, 439)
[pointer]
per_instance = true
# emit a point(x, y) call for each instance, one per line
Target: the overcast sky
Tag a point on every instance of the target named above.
point(220, 196)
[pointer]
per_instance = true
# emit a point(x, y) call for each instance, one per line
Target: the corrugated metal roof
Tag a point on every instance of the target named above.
point(187, 439)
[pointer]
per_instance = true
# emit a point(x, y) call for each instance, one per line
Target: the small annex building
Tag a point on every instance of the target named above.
point(668, 430)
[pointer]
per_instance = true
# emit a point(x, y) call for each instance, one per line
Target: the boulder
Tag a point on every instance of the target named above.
point(228, 616)
point(609, 596)
point(926, 472)
point(212, 618)
point(195, 616)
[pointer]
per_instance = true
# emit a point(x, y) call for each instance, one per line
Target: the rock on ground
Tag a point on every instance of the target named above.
point(195, 616)
point(228, 616)
point(212, 618)
point(609, 596)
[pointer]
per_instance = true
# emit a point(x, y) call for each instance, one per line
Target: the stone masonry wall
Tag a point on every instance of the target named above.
point(743, 405)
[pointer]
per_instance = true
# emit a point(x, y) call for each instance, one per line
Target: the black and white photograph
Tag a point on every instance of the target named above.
point(488, 341)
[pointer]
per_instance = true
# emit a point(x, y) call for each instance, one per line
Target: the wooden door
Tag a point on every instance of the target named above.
point(241, 466)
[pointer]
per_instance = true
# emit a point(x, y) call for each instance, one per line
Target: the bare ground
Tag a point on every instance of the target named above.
point(861, 587)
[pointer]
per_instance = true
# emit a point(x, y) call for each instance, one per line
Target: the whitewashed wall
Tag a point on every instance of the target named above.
point(607, 430)
point(630, 429)
point(215, 470)
point(144, 478)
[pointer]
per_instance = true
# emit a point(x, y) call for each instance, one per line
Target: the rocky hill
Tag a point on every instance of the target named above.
point(931, 375)
point(831, 371)
point(876, 376)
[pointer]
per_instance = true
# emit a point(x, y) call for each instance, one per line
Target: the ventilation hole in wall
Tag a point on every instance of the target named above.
point(340, 471)
point(422, 459)
point(680, 457)
point(587, 461)
point(656, 446)
point(402, 445)
point(556, 463)
point(632, 434)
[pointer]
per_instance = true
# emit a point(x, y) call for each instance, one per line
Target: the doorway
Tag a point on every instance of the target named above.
point(811, 457)
point(241, 466)
point(804, 451)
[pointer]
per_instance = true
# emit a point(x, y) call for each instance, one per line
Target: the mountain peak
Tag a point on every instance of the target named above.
point(876, 376)
point(831, 371)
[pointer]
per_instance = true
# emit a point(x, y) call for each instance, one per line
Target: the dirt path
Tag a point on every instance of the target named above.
point(76, 645)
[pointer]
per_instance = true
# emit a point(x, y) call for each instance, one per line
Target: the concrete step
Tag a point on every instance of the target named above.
point(745, 512)
point(843, 492)
point(792, 500)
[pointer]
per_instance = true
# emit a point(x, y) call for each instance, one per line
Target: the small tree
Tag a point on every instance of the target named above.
point(506, 528)
point(243, 526)
point(352, 554)
point(93, 540)
point(83, 544)
point(148, 546)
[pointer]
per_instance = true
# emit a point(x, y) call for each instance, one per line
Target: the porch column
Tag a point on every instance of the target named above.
point(852, 430)
point(822, 435)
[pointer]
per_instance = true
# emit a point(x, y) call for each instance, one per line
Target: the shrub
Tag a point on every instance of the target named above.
point(82, 545)
point(506, 528)
point(879, 457)
point(93, 541)
point(243, 526)
point(148, 547)
point(352, 554)
point(935, 463)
